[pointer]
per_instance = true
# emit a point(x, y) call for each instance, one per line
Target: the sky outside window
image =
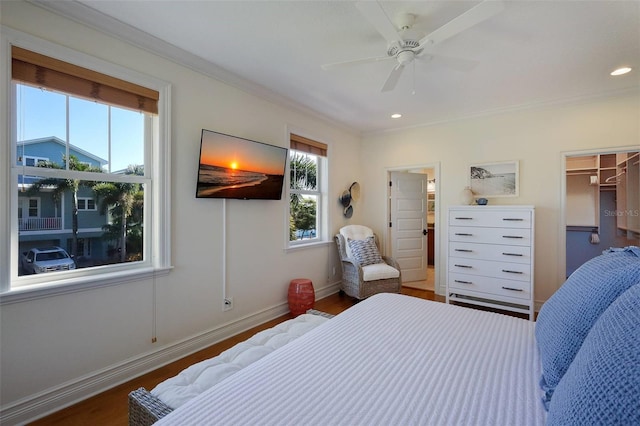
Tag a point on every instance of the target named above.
point(42, 113)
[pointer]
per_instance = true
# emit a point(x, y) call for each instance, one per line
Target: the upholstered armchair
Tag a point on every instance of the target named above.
point(364, 271)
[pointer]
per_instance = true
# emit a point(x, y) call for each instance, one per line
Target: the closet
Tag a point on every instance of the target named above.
point(602, 204)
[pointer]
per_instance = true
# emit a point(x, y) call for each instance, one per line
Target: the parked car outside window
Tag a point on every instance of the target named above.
point(48, 259)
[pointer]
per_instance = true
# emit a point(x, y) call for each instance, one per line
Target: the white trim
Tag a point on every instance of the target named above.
point(36, 160)
point(439, 285)
point(157, 176)
point(575, 100)
point(92, 18)
point(562, 222)
point(58, 397)
point(323, 180)
point(41, 291)
point(86, 200)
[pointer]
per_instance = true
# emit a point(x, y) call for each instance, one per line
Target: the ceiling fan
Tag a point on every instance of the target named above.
point(407, 44)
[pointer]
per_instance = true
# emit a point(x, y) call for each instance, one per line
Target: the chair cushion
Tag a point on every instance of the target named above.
point(355, 232)
point(602, 385)
point(379, 271)
point(566, 318)
point(365, 251)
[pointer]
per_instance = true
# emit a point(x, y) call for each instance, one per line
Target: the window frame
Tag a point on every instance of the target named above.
point(322, 213)
point(85, 201)
point(157, 195)
point(36, 160)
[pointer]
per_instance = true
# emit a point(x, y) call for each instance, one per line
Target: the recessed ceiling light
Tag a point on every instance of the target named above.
point(396, 115)
point(621, 71)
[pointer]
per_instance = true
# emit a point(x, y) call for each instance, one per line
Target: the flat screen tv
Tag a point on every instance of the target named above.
point(233, 167)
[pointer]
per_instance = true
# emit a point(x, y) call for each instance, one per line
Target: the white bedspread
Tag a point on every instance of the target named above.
point(389, 360)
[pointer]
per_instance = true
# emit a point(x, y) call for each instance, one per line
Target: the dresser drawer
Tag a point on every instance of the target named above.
point(504, 236)
point(495, 252)
point(490, 218)
point(487, 268)
point(487, 285)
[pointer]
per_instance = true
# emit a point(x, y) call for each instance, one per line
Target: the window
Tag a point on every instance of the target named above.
point(28, 160)
point(307, 183)
point(82, 141)
point(34, 207)
point(86, 204)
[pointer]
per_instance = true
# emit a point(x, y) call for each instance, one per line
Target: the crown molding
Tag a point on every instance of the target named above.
point(87, 16)
point(515, 108)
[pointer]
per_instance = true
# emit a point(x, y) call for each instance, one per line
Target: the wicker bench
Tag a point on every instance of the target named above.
point(146, 407)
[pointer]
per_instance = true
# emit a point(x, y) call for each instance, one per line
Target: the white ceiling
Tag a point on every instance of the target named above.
point(532, 53)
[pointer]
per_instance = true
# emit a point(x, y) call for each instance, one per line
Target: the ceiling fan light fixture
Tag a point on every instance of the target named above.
point(620, 71)
point(396, 115)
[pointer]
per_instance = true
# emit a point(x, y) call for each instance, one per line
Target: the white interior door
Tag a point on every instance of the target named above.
point(409, 224)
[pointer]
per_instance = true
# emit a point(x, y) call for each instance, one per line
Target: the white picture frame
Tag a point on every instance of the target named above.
point(492, 180)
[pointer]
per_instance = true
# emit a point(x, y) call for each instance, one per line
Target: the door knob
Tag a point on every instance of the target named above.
point(424, 232)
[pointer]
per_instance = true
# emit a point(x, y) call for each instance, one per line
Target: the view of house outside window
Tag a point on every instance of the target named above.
point(305, 195)
point(80, 182)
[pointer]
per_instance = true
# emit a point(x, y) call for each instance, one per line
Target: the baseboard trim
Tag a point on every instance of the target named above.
point(58, 397)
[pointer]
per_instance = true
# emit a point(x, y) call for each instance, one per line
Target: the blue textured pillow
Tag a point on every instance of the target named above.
point(365, 251)
point(566, 318)
point(602, 385)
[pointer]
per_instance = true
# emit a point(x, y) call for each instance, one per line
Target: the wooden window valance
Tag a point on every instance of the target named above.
point(300, 143)
point(42, 71)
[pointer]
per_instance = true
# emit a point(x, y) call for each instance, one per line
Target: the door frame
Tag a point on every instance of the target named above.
point(562, 228)
point(439, 286)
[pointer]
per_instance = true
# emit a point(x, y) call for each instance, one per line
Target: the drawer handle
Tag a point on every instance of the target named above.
point(463, 234)
point(513, 219)
point(512, 289)
point(463, 266)
point(464, 250)
point(510, 272)
point(463, 282)
point(512, 236)
point(464, 218)
point(513, 254)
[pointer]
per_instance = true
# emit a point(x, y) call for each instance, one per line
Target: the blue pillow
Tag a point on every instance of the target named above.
point(566, 318)
point(602, 385)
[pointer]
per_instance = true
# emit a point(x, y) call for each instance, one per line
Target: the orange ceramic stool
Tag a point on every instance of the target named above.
point(301, 296)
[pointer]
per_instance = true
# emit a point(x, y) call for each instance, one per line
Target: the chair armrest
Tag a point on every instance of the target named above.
point(352, 261)
point(341, 243)
point(391, 262)
point(145, 409)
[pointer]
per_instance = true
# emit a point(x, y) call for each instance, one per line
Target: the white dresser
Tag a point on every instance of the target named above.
point(490, 258)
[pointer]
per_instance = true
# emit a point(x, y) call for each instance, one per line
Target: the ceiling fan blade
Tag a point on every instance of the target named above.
point(393, 78)
point(335, 65)
point(471, 17)
point(381, 22)
point(458, 64)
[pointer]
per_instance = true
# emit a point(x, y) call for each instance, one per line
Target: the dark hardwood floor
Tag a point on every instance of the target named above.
point(110, 407)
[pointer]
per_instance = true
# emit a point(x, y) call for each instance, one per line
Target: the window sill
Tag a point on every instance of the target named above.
point(303, 246)
point(28, 293)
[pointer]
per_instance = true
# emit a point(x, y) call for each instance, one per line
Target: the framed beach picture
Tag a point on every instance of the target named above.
point(494, 179)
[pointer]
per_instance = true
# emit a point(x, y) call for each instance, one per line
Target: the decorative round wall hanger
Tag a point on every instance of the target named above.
point(348, 212)
point(347, 196)
point(345, 199)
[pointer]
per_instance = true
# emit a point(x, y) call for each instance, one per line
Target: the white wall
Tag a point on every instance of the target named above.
point(61, 348)
point(55, 347)
point(535, 137)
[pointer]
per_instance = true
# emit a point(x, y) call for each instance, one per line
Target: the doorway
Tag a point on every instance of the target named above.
point(411, 214)
point(602, 204)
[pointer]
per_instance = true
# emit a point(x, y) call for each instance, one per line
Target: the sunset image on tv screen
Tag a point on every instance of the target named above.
point(232, 167)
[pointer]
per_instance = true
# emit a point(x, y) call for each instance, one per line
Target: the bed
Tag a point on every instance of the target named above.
point(398, 360)
point(393, 360)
